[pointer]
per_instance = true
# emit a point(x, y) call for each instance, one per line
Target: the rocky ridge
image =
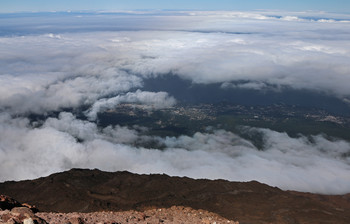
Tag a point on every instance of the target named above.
point(81, 190)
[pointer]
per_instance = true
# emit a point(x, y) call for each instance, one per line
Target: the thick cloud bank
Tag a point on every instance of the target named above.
point(97, 61)
point(38, 70)
point(317, 165)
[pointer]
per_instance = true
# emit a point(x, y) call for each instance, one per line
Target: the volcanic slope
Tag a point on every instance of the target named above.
point(81, 190)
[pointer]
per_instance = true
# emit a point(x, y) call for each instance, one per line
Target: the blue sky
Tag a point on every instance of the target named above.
point(74, 5)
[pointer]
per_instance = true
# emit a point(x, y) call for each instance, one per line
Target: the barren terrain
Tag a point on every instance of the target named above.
point(84, 191)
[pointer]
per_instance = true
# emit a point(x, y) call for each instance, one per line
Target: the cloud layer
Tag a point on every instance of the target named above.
point(99, 61)
point(45, 72)
point(317, 165)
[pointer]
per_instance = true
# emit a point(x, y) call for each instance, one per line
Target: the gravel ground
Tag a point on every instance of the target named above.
point(175, 214)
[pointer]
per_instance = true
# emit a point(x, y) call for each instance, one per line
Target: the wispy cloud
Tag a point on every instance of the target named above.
point(156, 101)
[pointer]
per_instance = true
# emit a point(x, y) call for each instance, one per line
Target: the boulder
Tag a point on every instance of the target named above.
point(76, 220)
point(21, 215)
point(31, 207)
point(28, 221)
point(22, 212)
point(14, 212)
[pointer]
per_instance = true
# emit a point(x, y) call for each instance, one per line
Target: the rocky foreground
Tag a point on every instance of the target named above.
point(13, 212)
point(164, 199)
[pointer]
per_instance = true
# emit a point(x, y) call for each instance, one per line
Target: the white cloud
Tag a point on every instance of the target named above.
point(53, 71)
point(157, 100)
point(249, 85)
point(64, 74)
point(289, 163)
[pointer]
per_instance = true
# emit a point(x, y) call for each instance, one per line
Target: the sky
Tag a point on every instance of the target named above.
point(112, 5)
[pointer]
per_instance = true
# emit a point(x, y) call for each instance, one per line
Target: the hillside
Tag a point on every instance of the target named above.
point(80, 190)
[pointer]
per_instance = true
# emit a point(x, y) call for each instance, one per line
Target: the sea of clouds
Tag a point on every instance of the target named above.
point(96, 61)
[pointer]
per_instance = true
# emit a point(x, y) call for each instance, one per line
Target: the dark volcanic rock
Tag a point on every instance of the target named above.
point(8, 203)
point(80, 190)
